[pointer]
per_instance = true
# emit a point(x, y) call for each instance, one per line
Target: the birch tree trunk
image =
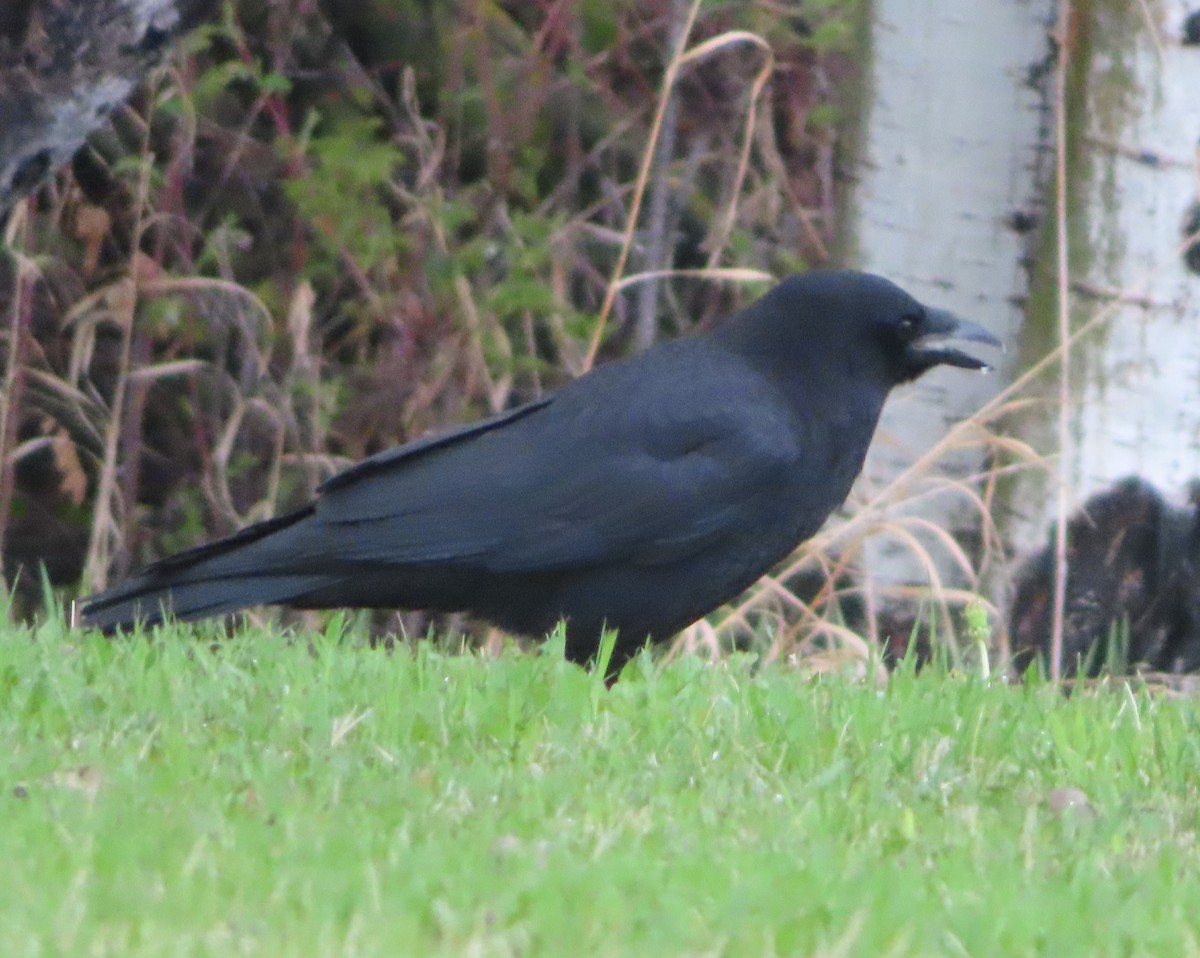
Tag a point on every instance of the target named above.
point(1132, 192)
point(955, 153)
point(950, 161)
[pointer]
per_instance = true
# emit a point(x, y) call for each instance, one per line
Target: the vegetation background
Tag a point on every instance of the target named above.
point(330, 227)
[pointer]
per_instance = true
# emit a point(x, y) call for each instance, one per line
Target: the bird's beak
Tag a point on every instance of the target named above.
point(940, 325)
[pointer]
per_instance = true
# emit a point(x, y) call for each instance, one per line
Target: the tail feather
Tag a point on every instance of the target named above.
point(149, 601)
point(234, 545)
point(294, 560)
point(253, 567)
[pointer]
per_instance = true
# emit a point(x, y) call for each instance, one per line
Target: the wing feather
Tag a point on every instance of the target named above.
point(551, 492)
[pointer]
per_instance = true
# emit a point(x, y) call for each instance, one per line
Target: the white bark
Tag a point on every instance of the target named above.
point(1135, 173)
point(953, 127)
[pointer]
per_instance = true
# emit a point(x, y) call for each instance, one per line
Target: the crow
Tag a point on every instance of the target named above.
point(637, 498)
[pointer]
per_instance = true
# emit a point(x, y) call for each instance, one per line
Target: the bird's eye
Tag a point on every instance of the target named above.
point(908, 324)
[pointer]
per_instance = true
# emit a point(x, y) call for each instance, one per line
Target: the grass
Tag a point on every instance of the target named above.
point(165, 796)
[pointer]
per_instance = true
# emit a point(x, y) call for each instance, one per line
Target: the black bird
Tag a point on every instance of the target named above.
point(640, 497)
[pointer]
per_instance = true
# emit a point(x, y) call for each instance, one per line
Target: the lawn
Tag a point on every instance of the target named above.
point(310, 796)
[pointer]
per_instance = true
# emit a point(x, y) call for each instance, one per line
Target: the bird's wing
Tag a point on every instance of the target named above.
point(549, 491)
point(647, 506)
point(389, 458)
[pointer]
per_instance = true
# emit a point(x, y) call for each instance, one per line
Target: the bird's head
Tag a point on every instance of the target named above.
point(919, 339)
point(867, 322)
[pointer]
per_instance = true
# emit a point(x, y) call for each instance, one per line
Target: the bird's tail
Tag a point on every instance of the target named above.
point(249, 568)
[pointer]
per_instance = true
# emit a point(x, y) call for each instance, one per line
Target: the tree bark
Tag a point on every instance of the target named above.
point(65, 65)
point(1133, 199)
point(949, 171)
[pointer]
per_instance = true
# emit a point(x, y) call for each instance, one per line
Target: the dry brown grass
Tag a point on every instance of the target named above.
point(202, 324)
